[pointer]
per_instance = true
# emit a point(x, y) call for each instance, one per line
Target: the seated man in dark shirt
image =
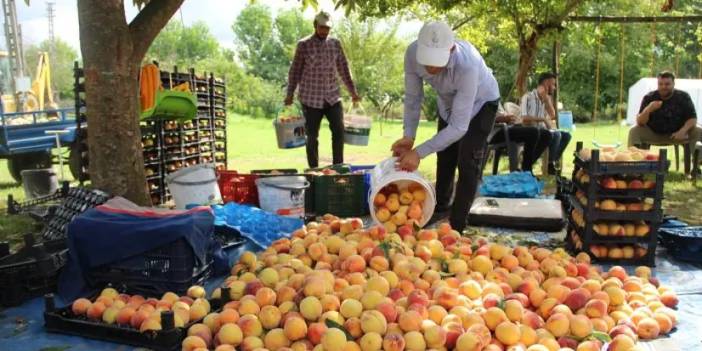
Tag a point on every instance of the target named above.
point(666, 116)
point(535, 139)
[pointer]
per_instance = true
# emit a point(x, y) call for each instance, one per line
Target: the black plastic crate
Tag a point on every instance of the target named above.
point(684, 244)
point(591, 214)
point(342, 195)
point(76, 201)
point(32, 271)
point(169, 338)
point(172, 267)
point(596, 167)
point(649, 259)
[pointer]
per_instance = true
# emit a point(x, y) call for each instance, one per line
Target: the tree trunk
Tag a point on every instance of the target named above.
point(527, 55)
point(112, 52)
point(111, 72)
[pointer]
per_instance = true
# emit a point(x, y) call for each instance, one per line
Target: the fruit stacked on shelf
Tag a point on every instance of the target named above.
point(616, 205)
point(219, 121)
point(335, 285)
point(150, 142)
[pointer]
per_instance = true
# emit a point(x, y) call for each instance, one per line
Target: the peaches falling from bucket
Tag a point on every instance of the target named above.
point(400, 206)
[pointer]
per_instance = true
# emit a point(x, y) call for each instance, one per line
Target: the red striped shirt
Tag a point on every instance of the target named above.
point(314, 69)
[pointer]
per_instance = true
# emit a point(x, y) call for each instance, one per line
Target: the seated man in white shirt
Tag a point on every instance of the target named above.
point(537, 110)
point(535, 139)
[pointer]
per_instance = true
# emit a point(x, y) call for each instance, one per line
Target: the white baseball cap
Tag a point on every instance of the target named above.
point(323, 19)
point(434, 44)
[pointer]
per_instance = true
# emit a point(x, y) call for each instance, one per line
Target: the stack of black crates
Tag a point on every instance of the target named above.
point(170, 145)
point(614, 211)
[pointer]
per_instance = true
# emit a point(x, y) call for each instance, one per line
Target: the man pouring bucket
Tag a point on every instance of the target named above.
point(468, 96)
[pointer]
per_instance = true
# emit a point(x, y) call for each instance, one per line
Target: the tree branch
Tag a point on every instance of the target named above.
point(148, 23)
point(462, 22)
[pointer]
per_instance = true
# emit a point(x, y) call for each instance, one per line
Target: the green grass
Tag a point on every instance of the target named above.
point(252, 145)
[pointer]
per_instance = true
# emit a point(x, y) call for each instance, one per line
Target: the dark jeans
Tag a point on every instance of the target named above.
point(313, 120)
point(559, 142)
point(466, 154)
point(535, 141)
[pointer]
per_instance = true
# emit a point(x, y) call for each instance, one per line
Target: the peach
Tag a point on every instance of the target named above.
point(124, 316)
point(469, 342)
point(514, 310)
point(265, 296)
point(354, 327)
point(250, 325)
point(622, 342)
point(270, 317)
point(110, 315)
point(508, 333)
point(669, 299)
point(622, 329)
point(410, 321)
point(558, 324)
point(580, 326)
point(374, 321)
point(80, 306)
point(150, 324)
point(617, 296)
point(389, 311)
point(351, 308)
point(393, 342)
point(481, 264)
point(96, 310)
point(414, 341)
point(193, 342)
point(648, 328)
point(138, 317)
point(664, 322)
point(311, 308)
point(471, 289)
point(371, 342)
point(202, 331)
point(315, 331)
point(532, 320)
point(383, 214)
point(332, 339)
point(577, 298)
point(250, 343)
point(494, 316)
point(418, 297)
point(435, 336)
point(596, 308)
point(528, 335)
point(228, 316)
point(199, 311)
point(371, 299)
point(275, 339)
point(295, 329)
point(379, 199)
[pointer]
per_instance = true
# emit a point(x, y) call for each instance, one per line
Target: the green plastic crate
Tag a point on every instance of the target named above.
point(341, 195)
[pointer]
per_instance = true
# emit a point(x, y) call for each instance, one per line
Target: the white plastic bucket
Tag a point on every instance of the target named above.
point(290, 132)
point(194, 185)
point(357, 130)
point(386, 173)
point(284, 196)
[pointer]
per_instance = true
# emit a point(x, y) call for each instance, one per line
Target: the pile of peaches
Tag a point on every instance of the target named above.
point(140, 313)
point(613, 205)
point(337, 286)
point(611, 154)
point(615, 183)
point(397, 207)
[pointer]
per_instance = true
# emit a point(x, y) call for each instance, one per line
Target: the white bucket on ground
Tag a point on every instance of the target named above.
point(284, 196)
point(357, 129)
point(194, 185)
point(385, 173)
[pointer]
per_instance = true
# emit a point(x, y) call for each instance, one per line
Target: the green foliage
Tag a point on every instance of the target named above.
point(266, 45)
point(366, 44)
point(61, 65)
point(183, 46)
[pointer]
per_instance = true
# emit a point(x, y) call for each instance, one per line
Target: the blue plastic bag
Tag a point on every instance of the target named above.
point(511, 185)
point(261, 227)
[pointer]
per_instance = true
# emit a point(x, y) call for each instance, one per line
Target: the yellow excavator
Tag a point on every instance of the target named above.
point(38, 97)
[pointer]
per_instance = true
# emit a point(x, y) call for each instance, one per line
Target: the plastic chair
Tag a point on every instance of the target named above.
point(508, 147)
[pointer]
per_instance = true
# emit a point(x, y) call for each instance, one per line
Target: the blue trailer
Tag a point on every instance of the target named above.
point(24, 140)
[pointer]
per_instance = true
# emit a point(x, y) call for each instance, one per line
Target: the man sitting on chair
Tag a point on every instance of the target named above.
point(537, 109)
point(535, 140)
point(667, 116)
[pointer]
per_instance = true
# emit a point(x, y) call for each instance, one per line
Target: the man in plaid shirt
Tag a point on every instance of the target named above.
point(317, 61)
